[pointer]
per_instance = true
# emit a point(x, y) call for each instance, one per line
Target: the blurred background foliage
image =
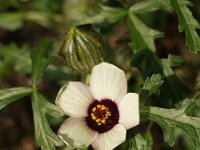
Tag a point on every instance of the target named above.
point(24, 22)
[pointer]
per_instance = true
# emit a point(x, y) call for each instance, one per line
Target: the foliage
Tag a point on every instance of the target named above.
point(187, 23)
point(165, 95)
point(44, 136)
point(103, 14)
point(145, 36)
point(151, 85)
point(39, 62)
point(138, 142)
point(19, 57)
point(9, 95)
point(149, 64)
point(169, 119)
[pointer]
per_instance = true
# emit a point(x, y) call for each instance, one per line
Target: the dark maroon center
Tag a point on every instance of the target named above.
point(102, 115)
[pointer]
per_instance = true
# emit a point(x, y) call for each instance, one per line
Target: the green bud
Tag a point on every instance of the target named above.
point(82, 49)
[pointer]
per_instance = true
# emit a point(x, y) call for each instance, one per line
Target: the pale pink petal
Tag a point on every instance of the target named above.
point(74, 99)
point(108, 81)
point(110, 139)
point(75, 133)
point(129, 110)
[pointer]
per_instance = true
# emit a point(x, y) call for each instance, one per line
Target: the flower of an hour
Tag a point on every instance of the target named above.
point(100, 113)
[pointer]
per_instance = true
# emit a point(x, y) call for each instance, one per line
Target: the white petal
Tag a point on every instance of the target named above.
point(75, 133)
point(129, 110)
point(74, 99)
point(108, 81)
point(110, 139)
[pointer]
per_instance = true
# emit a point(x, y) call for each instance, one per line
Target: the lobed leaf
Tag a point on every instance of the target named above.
point(39, 59)
point(172, 90)
point(44, 136)
point(139, 142)
point(152, 83)
point(141, 35)
point(9, 95)
point(103, 14)
point(188, 24)
point(169, 119)
point(150, 5)
point(51, 109)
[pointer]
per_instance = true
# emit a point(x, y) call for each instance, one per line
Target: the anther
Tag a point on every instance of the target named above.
point(94, 109)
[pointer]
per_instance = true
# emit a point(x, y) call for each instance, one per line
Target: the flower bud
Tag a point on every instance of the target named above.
point(82, 49)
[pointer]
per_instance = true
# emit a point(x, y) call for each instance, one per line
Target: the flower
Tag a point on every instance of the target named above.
point(100, 113)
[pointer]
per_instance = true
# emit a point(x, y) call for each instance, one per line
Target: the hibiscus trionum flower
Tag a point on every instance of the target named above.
point(100, 113)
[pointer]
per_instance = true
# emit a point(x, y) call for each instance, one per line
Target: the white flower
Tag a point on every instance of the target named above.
point(100, 113)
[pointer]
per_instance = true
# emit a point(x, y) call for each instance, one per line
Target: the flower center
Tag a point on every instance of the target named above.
point(102, 115)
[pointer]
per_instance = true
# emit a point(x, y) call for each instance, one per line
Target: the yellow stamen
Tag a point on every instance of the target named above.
point(100, 109)
point(93, 116)
point(94, 109)
point(103, 121)
point(98, 120)
point(103, 107)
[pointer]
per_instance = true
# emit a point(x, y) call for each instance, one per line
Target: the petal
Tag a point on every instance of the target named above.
point(110, 139)
point(75, 133)
point(74, 99)
point(108, 81)
point(129, 110)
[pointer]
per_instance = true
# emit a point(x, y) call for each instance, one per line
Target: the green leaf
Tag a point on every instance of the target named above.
point(175, 60)
point(67, 148)
point(188, 24)
point(169, 119)
point(151, 85)
point(19, 57)
point(44, 136)
point(139, 142)
point(197, 96)
point(9, 95)
point(39, 59)
point(150, 5)
point(3, 68)
point(11, 21)
point(82, 148)
point(149, 140)
point(39, 17)
point(197, 89)
point(172, 90)
point(104, 14)
point(51, 109)
point(141, 35)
